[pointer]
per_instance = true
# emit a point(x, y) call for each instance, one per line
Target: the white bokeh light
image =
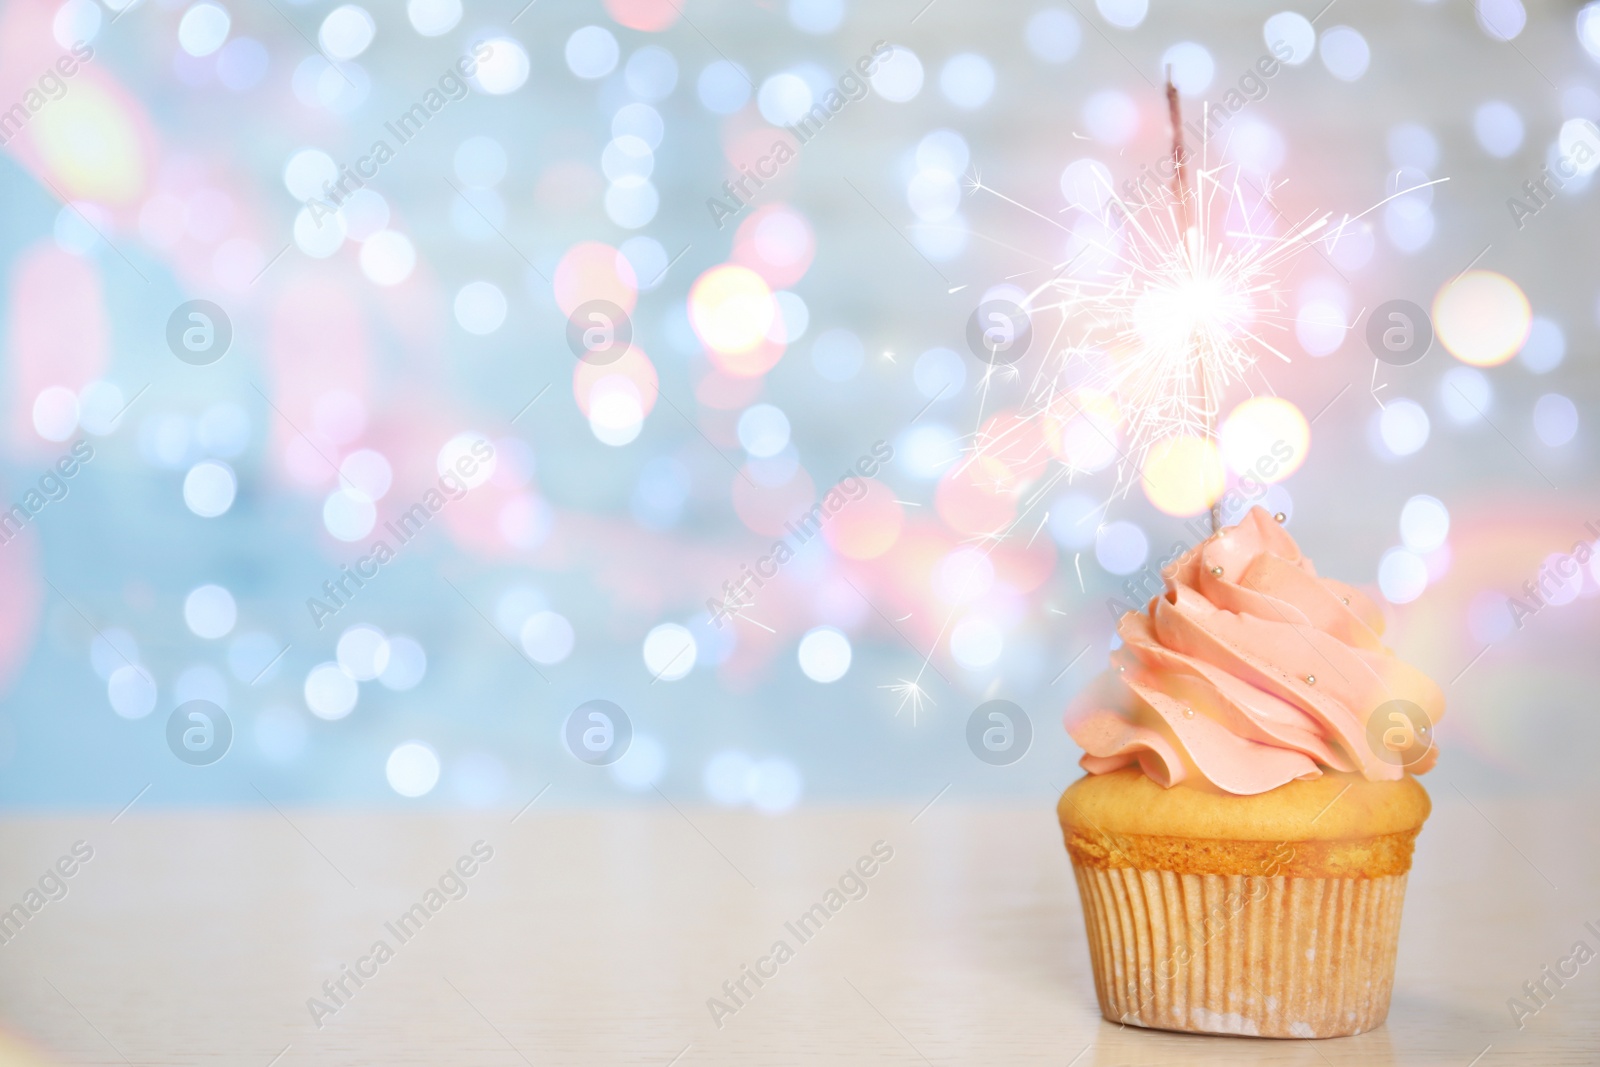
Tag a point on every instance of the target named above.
point(976, 643)
point(1589, 29)
point(1320, 327)
point(1465, 394)
point(1121, 546)
point(627, 156)
point(632, 202)
point(1291, 29)
point(319, 233)
point(506, 68)
point(463, 456)
point(1402, 576)
point(1403, 426)
point(1124, 14)
point(816, 16)
point(307, 172)
point(669, 652)
point(763, 430)
point(1424, 523)
point(55, 413)
point(727, 777)
point(480, 308)
point(388, 258)
point(209, 488)
point(363, 652)
point(651, 73)
point(1500, 20)
point(412, 769)
point(408, 664)
point(783, 99)
point(131, 692)
point(1192, 67)
point(433, 18)
point(76, 21)
point(1087, 185)
point(1054, 35)
point(723, 87)
point(547, 637)
point(1498, 128)
point(1545, 347)
point(1555, 419)
point(642, 765)
point(967, 80)
point(775, 785)
point(348, 516)
point(1111, 117)
point(1345, 53)
point(346, 32)
point(899, 75)
point(641, 121)
point(366, 474)
point(824, 654)
point(210, 612)
point(330, 693)
point(203, 28)
point(616, 411)
point(100, 405)
point(592, 52)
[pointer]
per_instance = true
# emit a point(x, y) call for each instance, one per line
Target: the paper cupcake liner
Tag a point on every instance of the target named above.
point(1242, 954)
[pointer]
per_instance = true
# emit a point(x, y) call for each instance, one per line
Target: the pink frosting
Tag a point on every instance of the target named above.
point(1213, 682)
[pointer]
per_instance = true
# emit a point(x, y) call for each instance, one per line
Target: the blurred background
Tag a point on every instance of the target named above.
point(242, 344)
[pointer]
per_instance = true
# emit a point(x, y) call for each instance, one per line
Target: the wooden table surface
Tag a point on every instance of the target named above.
point(599, 936)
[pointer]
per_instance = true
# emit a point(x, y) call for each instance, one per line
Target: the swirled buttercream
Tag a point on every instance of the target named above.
point(1249, 671)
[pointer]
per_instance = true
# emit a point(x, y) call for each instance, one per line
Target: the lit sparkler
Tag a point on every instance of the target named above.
point(1171, 299)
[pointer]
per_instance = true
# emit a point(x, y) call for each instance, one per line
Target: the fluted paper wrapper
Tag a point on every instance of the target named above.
point(1242, 954)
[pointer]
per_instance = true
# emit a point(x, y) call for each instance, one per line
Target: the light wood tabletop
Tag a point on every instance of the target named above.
point(580, 937)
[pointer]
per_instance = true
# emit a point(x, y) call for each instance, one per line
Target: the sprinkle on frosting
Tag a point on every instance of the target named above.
point(1246, 682)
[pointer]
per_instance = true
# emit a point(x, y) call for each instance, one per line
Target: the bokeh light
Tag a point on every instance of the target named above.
point(670, 652)
point(1266, 437)
point(412, 769)
point(1182, 475)
point(824, 654)
point(1482, 317)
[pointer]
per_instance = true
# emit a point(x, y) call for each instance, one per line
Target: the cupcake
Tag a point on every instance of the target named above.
point(1242, 837)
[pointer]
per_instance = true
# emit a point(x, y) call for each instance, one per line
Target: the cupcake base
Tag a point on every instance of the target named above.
point(1242, 954)
point(1275, 915)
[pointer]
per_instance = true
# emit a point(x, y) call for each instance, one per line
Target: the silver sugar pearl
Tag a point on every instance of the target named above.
point(1281, 517)
point(1216, 571)
point(1311, 679)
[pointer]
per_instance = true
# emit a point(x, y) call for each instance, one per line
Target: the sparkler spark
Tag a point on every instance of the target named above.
point(911, 693)
point(1177, 298)
point(1169, 295)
